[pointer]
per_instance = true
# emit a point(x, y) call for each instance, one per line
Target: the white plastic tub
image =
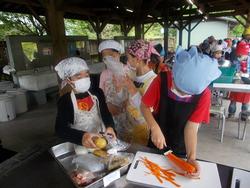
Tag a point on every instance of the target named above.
point(7, 107)
point(21, 104)
point(4, 85)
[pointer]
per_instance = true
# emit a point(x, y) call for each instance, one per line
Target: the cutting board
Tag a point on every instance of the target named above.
point(137, 174)
point(242, 176)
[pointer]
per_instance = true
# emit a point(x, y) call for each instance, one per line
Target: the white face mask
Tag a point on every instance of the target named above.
point(242, 58)
point(131, 68)
point(178, 93)
point(82, 85)
point(115, 66)
point(131, 72)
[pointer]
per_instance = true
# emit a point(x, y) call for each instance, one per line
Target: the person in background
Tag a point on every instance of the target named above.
point(205, 47)
point(111, 84)
point(246, 35)
point(181, 101)
point(242, 53)
point(157, 63)
point(228, 48)
point(216, 51)
point(81, 113)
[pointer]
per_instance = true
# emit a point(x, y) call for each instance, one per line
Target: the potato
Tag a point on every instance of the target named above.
point(100, 142)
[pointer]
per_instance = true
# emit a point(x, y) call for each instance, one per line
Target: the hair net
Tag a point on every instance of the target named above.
point(193, 71)
point(142, 49)
point(217, 47)
point(70, 66)
point(110, 44)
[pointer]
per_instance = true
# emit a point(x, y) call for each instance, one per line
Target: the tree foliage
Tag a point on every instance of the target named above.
point(19, 24)
point(238, 29)
point(79, 27)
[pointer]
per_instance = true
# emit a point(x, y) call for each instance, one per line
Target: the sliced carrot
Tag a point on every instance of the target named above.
point(185, 166)
point(159, 172)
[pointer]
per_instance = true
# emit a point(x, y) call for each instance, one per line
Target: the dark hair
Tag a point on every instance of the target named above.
point(155, 59)
point(78, 52)
point(158, 48)
point(115, 50)
point(220, 42)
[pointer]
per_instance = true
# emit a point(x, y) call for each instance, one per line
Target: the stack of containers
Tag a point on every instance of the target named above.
point(7, 107)
point(12, 101)
point(21, 105)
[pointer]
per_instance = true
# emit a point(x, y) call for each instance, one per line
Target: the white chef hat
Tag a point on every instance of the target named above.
point(217, 47)
point(110, 44)
point(70, 66)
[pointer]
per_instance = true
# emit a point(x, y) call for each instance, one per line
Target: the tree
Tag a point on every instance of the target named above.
point(110, 31)
point(79, 27)
point(156, 31)
point(19, 24)
point(238, 29)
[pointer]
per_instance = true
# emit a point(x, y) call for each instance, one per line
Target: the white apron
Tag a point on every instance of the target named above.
point(89, 121)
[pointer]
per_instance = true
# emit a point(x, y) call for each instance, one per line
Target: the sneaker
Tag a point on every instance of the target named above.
point(230, 116)
point(244, 115)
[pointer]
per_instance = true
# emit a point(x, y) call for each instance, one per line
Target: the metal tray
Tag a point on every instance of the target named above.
point(64, 154)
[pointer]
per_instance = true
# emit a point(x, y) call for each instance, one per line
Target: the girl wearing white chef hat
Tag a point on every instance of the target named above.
point(181, 101)
point(110, 82)
point(82, 112)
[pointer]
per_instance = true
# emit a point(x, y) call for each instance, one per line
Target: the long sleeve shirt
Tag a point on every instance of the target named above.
point(65, 116)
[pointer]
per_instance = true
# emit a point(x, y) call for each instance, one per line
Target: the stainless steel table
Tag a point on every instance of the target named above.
point(36, 168)
point(232, 87)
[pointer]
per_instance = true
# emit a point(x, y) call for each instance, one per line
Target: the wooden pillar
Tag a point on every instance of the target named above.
point(180, 36)
point(98, 27)
point(189, 34)
point(248, 18)
point(56, 27)
point(125, 28)
point(139, 30)
point(166, 25)
point(180, 31)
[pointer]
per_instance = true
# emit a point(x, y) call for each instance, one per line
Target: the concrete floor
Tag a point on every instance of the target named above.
point(37, 126)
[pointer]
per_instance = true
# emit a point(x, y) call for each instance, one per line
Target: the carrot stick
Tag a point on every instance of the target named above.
point(159, 172)
point(185, 166)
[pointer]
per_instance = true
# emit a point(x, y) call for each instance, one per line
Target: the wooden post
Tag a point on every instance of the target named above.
point(139, 33)
point(180, 35)
point(166, 25)
point(56, 27)
point(125, 28)
point(98, 27)
point(248, 18)
point(189, 34)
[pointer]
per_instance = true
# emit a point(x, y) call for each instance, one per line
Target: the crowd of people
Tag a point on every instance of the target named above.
point(146, 101)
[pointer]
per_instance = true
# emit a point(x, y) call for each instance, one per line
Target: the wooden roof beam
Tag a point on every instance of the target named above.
point(235, 13)
point(33, 12)
point(242, 23)
point(245, 3)
point(23, 2)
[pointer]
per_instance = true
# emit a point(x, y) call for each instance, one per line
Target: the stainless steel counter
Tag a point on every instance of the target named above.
point(36, 167)
point(232, 87)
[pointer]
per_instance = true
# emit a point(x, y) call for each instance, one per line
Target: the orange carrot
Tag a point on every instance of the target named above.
point(160, 173)
point(185, 166)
